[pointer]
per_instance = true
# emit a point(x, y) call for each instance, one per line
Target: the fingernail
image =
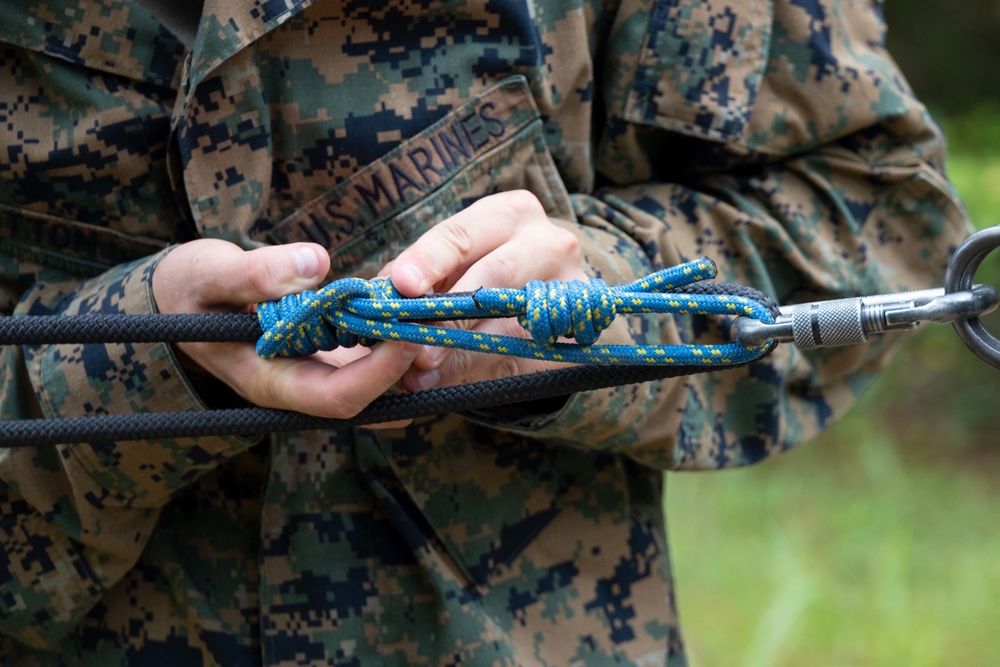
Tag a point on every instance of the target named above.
point(410, 350)
point(306, 261)
point(433, 356)
point(414, 273)
point(426, 380)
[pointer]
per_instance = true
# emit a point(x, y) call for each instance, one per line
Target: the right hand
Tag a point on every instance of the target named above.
point(211, 275)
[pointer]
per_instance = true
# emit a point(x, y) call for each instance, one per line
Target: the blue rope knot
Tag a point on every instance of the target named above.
point(304, 323)
point(577, 309)
point(352, 311)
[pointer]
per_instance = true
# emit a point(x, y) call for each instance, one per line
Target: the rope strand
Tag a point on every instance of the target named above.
point(359, 312)
point(258, 421)
point(363, 312)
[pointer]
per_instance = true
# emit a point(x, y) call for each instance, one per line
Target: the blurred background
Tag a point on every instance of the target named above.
point(878, 544)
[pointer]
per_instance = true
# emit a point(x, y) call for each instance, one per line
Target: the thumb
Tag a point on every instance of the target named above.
point(272, 272)
point(211, 273)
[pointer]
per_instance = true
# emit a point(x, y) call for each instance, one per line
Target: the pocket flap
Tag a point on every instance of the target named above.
point(76, 247)
point(118, 38)
point(492, 143)
point(700, 66)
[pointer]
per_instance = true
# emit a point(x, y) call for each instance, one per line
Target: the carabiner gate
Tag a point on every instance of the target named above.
point(851, 321)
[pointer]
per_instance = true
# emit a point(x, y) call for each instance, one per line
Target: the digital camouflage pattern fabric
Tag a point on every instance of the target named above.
point(776, 136)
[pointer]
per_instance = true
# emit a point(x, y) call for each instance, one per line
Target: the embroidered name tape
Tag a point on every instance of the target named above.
point(414, 169)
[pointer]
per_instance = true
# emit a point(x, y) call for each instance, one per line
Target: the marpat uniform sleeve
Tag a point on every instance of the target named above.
point(86, 209)
point(799, 160)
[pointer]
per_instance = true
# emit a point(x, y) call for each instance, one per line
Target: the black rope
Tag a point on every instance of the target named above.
point(254, 421)
point(203, 327)
point(243, 327)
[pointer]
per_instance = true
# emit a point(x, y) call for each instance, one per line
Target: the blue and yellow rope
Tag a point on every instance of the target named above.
point(353, 311)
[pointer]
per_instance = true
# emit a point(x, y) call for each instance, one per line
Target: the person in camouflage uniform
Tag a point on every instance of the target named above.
point(269, 146)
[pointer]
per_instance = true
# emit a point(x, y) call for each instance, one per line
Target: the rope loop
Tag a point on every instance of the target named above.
point(353, 311)
point(361, 312)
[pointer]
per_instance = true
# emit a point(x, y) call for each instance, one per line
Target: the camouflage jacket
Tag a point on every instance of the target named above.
point(776, 136)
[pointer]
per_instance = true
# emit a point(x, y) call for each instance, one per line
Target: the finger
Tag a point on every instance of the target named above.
point(466, 367)
point(432, 356)
point(544, 253)
point(459, 366)
point(402, 423)
point(385, 271)
point(304, 384)
point(552, 255)
point(504, 267)
point(344, 392)
point(209, 273)
point(456, 243)
point(270, 273)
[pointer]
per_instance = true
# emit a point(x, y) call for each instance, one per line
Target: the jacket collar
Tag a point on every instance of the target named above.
point(228, 26)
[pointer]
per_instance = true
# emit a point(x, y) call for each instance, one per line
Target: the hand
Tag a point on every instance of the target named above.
point(210, 275)
point(503, 240)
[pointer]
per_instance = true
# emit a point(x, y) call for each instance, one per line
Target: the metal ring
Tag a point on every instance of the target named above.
point(961, 272)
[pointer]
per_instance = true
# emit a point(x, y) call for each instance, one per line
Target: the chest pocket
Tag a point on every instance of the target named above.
point(87, 94)
point(700, 66)
point(490, 144)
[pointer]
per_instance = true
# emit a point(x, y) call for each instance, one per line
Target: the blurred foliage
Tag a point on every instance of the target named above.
point(839, 553)
point(944, 398)
point(877, 544)
point(948, 50)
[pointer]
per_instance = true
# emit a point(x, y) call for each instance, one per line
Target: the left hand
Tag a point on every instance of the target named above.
point(212, 275)
point(503, 240)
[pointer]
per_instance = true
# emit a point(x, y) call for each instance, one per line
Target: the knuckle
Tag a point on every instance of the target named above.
point(504, 271)
point(228, 363)
point(344, 407)
point(460, 365)
point(522, 204)
point(259, 276)
point(263, 391)
point(273, 385)
point(565, 244)
point(457, 237)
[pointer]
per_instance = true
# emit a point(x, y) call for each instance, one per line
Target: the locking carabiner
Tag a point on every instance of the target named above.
point(851, 321)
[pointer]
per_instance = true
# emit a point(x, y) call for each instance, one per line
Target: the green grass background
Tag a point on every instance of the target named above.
point(879, 543)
